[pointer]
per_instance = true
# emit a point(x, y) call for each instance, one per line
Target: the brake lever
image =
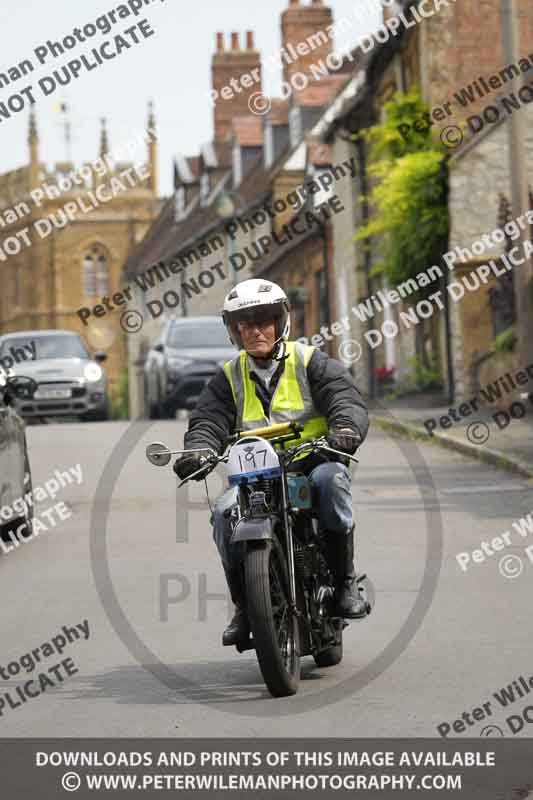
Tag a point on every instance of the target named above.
point(198, 471)
point(214, 463)
point(339, 453)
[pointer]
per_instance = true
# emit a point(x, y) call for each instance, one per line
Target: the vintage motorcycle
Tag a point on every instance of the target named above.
point(289, 586)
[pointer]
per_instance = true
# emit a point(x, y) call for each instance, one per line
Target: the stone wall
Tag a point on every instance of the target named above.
point(477, 179)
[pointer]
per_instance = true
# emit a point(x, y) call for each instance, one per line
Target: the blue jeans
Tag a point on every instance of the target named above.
point(331, 488)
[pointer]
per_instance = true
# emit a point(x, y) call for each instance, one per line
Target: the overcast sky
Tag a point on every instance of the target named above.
point(173, 68)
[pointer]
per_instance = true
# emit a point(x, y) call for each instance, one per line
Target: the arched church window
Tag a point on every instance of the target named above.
point(95, 272)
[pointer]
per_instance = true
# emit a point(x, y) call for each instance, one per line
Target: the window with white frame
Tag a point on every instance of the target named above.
point(205, 188)
point(295, 125)
point(237, 165)
point(269, 145)
point(179, 203)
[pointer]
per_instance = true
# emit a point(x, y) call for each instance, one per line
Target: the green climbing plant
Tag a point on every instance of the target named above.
point(408, 202)
point(409, 198)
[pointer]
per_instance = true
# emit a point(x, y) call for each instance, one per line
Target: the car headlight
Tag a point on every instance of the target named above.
point(93, 372)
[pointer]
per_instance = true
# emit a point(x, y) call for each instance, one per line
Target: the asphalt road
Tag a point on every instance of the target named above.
point(438, 643)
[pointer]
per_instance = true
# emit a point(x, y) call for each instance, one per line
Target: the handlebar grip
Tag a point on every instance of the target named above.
point(280, 429)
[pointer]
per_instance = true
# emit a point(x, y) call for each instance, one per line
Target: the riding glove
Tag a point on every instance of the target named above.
point(345, 439)
point(187, 464)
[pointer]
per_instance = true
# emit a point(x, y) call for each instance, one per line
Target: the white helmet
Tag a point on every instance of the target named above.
point(256, 299)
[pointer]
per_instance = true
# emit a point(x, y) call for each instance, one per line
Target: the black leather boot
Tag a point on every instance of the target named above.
point(349, 603)
point(239, 629)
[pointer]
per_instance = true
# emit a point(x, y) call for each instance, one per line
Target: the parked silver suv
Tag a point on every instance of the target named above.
point(69, 381)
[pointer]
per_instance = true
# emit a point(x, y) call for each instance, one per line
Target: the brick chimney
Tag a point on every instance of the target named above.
point(298, 24)
point(232, 64)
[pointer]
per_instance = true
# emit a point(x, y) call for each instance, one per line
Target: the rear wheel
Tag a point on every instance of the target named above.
point(274, 627)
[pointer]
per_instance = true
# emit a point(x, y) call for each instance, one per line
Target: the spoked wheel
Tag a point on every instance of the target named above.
point(274, 627)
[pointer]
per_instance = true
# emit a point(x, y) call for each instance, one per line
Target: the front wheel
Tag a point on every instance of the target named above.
point(274, 627)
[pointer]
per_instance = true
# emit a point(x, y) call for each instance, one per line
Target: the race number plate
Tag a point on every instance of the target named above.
point(252, 458)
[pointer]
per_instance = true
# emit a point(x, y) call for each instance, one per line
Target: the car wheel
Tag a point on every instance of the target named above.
point(169, 410)
point(162, 412)
point(154, 410)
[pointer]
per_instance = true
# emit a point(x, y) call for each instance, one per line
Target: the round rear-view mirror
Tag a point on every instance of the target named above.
point(158, 454)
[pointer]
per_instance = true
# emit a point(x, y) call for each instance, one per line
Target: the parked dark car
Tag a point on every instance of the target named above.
point(15, 472)
point(70, 381)
point(185, 357)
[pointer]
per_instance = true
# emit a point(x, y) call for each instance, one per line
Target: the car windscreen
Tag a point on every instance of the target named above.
point(45, 347)
point(198, 335)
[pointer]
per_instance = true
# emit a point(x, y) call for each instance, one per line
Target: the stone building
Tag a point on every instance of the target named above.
point(66, 233)
point(460, 73)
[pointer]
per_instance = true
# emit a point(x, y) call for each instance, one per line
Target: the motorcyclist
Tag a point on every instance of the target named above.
point(275, 380)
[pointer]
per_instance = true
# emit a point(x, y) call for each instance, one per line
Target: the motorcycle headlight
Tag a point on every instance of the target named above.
point(93, 372)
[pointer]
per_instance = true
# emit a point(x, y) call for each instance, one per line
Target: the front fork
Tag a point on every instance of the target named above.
point(289, 543)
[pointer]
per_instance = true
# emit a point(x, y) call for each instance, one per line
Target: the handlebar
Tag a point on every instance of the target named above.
point(316, 444)
point(279, 429)
point(288, 455)
point(160, 456)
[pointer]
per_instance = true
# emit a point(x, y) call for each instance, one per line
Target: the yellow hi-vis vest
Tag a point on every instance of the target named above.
point(291, 402)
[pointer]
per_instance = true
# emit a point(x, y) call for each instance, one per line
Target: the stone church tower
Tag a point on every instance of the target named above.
point(65, 234)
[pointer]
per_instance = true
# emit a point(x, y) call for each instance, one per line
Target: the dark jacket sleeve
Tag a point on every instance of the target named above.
point(335, 394)
point(214, 417)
